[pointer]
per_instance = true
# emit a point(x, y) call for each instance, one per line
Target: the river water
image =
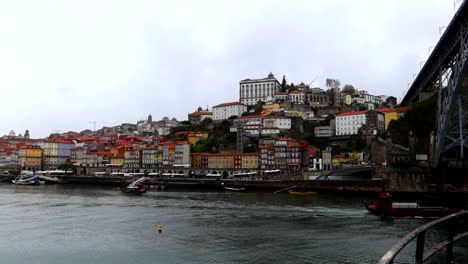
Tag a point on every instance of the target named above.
point(83, 224)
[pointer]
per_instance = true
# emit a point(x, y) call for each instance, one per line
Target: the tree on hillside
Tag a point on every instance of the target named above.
point(283, 84)
point(259, 107)
point(292, 87)
point(349, 89)
point(332, 83)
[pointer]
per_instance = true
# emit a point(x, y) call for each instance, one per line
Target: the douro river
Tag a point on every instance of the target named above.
point(83, 224)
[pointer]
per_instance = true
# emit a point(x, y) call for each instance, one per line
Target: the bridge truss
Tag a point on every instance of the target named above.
point(446, 73)
point(452, 105)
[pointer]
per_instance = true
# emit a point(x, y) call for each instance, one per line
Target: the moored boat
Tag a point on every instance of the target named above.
point(234, 189)
point(301, 193)
point(386, 207)
point(51, 179)
point(135, 187)
point(27, 180)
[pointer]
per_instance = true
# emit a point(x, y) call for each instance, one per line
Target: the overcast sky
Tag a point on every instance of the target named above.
point(66, 63)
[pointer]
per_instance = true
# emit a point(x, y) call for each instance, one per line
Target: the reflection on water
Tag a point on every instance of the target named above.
point(83, 224)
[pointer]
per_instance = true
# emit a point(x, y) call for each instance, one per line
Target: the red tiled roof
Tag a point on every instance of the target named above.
point(200, 113)
point(227, 104)
point(353, 113)
point(281, 93)
point(339, 156)
point(295, 92)
point(402, 109)
point(262, 116)
point(385, 110)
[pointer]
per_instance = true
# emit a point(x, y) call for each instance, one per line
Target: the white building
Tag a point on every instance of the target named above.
point(324, 131)
point(297, 97)
point(348, 123)
point(225, 111)
point(182, 153)
point(262, 125)
point(253, 90)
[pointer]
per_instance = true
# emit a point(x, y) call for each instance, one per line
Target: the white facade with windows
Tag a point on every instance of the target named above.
point(297, 97)
point(225, 111)
point(324, 131)
point(349, 123)
point(253, 90)
point(262, 125)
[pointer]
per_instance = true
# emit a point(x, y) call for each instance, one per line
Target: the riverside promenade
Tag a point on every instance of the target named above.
point(210, 183)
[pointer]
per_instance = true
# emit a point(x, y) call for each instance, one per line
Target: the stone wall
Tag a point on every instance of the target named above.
point(411, 179)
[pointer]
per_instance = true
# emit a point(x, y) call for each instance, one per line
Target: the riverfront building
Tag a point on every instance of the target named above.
point(30, 157)
point(285, 154)
point(229, 160)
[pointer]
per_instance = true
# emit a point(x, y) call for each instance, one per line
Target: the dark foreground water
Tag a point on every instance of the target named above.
point(76, 224)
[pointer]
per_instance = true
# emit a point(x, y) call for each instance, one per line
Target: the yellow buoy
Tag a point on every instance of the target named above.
point(159, 228)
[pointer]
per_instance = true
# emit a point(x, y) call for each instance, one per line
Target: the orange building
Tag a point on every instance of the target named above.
point(30, 157)
point(225, 160)
point(194, 136)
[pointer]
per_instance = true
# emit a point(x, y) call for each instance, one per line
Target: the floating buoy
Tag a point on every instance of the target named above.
point(159, 229)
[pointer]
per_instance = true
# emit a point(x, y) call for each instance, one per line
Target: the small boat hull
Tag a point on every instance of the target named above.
point(234, 189)
point(27, 181)
point(385, 207)
point(133, 190)
point(302, 193)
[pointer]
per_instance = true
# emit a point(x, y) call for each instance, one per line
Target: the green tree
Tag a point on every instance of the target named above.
point(283, 84)
point(259, 107)
point(349, 89)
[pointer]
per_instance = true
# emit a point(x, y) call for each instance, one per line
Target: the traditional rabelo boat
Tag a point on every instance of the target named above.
point(135, 187)
point(386, 207)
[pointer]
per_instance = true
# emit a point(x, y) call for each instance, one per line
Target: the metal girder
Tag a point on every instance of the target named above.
point(440, 58)
point(452, 108)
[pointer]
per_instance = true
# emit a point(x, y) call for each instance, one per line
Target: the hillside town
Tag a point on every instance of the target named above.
point(273, 127)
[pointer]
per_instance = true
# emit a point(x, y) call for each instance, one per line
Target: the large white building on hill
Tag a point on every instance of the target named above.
point(253, 90)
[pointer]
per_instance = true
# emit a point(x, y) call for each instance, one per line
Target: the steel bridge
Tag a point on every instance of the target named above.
point(445, 73)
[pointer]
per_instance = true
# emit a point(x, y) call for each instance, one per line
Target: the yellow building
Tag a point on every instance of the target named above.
point(30, 157)
point(225, 160)
point(196, 160)
point(117, 160)
point(221, 161)
point(249, 161)
point(194, 136)
point(338, 159)
point(347, 99)
point(392, 114)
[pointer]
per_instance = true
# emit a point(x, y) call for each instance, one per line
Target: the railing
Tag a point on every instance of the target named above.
point(453, 227)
